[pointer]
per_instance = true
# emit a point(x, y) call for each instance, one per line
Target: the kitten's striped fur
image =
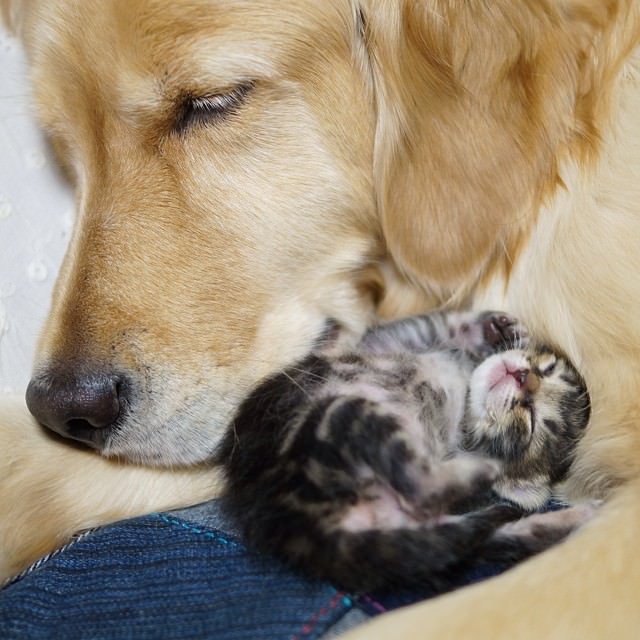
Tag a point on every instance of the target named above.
point(372, 468)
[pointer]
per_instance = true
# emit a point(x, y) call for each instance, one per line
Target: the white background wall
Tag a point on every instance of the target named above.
point(36, 214)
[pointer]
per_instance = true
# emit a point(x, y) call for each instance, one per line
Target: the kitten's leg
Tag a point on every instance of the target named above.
point(437, 555)
point(394, 519)
point(515, 541)
point(389, 475)
point(361, 449)
point(477, 334)
point(448, 486)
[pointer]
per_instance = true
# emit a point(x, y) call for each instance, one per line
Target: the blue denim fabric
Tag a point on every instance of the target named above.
point(179, 575)
point(161, 576)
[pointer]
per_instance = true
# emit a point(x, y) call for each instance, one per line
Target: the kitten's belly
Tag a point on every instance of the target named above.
point(429, 406)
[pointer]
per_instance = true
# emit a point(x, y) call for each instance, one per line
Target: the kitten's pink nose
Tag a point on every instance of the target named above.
point(520, 376)
point(526, 380)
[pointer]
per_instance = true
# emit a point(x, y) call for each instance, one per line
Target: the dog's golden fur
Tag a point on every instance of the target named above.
point(390, 156)
point(51, 490)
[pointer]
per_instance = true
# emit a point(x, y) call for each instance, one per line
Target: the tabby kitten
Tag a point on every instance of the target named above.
point(372, 468)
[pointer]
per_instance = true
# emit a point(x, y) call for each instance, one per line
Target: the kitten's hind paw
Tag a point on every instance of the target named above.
point(462, 479)
point(519, 539)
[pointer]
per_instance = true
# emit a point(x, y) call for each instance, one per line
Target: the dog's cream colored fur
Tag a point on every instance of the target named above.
point(42, 506)
point(436, 152)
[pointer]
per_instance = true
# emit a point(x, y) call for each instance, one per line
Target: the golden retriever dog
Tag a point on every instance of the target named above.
point(248, 171)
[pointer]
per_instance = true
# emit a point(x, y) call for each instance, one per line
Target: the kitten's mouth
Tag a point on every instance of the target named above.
point(502, 375)
point(517, 383)
point(529, 405)
point(505, 373)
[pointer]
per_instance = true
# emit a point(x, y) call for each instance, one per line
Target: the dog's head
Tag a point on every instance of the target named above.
point(222, 157)
point(247, 172)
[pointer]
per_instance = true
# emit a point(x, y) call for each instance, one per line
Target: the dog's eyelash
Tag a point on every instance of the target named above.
point(196, 110)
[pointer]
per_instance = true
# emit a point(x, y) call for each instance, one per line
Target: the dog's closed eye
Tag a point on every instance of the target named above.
point(212, 108)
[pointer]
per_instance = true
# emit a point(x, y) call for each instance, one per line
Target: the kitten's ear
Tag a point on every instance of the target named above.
point(476, 100)
point(527, 494)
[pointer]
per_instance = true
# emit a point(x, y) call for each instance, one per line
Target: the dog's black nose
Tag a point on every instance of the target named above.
point(81, 406)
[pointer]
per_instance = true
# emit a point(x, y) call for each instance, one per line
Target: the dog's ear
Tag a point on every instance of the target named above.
point(476, 101)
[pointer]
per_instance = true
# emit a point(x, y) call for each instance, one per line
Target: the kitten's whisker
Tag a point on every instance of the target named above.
point(311, 374)
point(297, 384)
point(236, 438)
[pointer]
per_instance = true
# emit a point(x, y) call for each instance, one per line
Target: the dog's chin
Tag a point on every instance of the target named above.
point(174, 428)
point(188, 437)
point(182, 420)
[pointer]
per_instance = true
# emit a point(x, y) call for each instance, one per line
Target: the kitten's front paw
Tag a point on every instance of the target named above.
point(502, 331)
point(485, 333)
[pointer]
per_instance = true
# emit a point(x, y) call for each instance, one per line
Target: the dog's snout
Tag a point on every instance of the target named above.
point(82, 406)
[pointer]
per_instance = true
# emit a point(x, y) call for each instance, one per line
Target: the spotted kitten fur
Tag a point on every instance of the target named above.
point(372, 468)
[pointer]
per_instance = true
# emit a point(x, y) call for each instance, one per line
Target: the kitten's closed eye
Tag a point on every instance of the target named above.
point(548, 366)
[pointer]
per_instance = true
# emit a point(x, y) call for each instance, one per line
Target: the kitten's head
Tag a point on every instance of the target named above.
point(527, 408)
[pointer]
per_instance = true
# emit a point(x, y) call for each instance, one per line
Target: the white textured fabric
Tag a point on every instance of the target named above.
point(36, 214)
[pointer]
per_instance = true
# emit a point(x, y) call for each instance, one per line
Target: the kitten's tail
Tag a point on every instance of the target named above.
point(431, 557)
